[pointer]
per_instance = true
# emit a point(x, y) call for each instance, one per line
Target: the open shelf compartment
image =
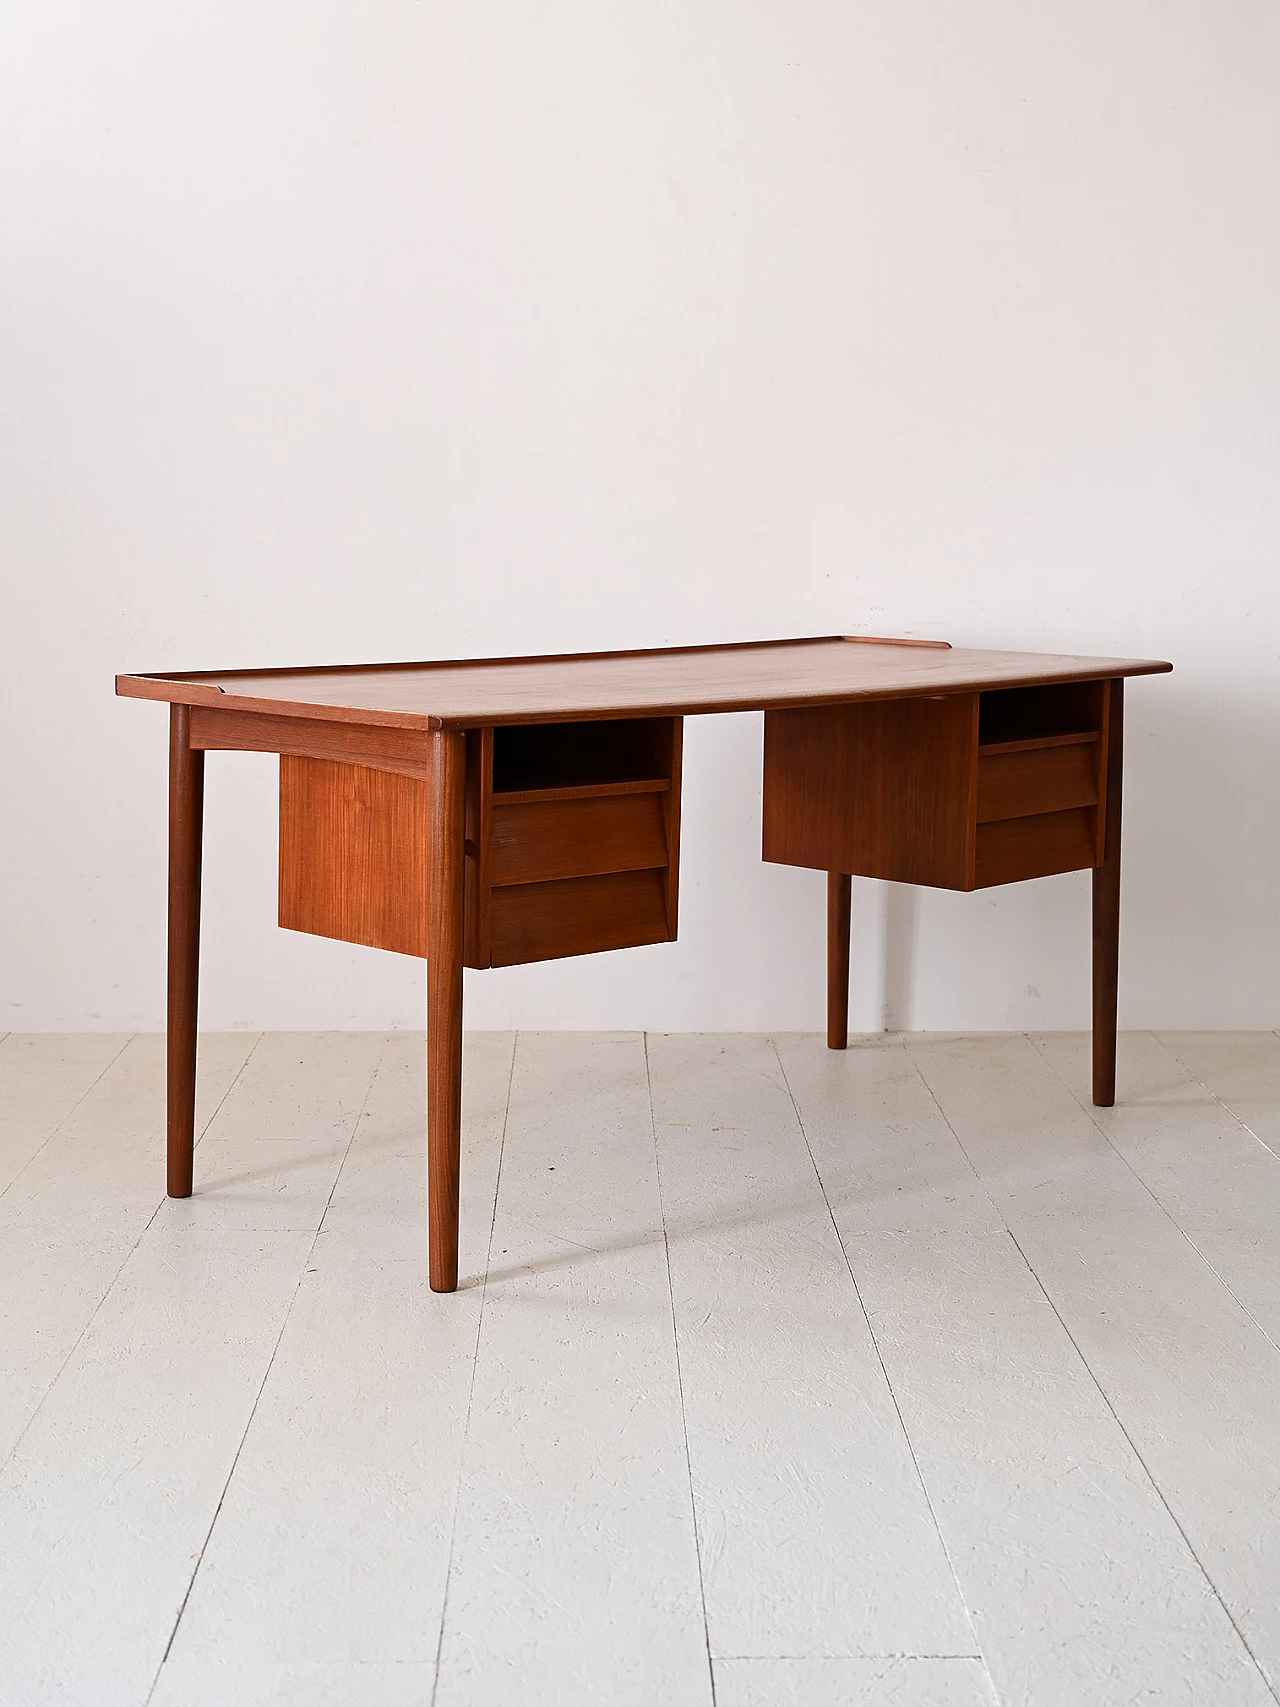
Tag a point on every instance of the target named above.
point(1059, 714)
point(573, 838)
point(617, 754)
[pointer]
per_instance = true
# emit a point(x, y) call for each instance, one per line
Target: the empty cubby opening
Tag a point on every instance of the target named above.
point(1034, 714)
point(530, 756)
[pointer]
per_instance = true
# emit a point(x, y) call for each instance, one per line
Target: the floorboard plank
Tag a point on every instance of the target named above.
point(107, 1500)
point(323, 1684)
point(575, 1575)
point(1081, 1587)
point(42, 1078)
point(344, 1492)
point(816, 1535)
point(1219, 1183)
point(269, 1157)
point(884, 1153)
point(896, 1681)
point(1240, 1067)
point(69, 1221)
point(109, 1496)
point(250, 1404)
point(1190, 1377)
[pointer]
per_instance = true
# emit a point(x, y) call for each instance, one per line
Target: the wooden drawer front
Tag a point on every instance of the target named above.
point(540, 841)
point(1041, 779)
point(578, 915)
point(1014, 849)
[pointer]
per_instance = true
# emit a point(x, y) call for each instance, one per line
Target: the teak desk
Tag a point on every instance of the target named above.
point(493, 811)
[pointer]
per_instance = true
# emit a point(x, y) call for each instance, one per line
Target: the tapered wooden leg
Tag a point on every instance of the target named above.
point(1106, 913)
point(186, 816)
point(839, 897)
point(444, 1003)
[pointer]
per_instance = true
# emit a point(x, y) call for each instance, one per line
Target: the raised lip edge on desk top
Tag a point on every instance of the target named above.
point(205, 684)
point(131, 679)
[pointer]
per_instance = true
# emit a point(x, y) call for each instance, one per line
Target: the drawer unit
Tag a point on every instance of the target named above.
point(960, 792)
point(573, 838)
point(572, 843)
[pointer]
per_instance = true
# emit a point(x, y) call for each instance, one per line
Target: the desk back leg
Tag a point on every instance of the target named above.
point(444, 1002)
point(186, 816)
point(1106, 913)
point(839, 901)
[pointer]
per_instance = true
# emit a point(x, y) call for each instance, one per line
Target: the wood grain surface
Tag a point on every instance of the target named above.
point(446, 824)
point(403, 750)
point(582, 915)
point(1037, 779)
point(676, 681)
point(353, 854)
point(1106, 909)
point(540, 841)
point(186, 830)
point(1016, 849)
point(881, 790)
point(839, 916)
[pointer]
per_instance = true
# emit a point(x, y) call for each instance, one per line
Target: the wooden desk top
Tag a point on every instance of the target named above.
point(674, 681)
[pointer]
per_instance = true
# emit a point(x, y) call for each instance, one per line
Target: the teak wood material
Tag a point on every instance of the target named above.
point(403, 750)
point(494, 811)
point(1106, 912)
point(879, 790)
point(186, 820)
point(573, 838)
point(583, 915)
point(673, 682)
point(353, 853)
point(537, 841)
point(444, 1003)
point(839, 910)
point(909, 791)
point(1017, 849)
point(1025, 780)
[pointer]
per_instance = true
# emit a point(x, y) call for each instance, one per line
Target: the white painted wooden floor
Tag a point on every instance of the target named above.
point(778, 1378)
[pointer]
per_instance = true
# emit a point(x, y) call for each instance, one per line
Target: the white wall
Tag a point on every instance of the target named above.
point(403, 328)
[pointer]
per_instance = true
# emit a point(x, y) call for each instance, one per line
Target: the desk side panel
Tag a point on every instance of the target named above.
point(877, 790)
point(353, 854)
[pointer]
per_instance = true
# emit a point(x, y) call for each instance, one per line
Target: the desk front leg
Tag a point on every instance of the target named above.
point(1106, 912)
point(186, 817)
point(445, 850)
